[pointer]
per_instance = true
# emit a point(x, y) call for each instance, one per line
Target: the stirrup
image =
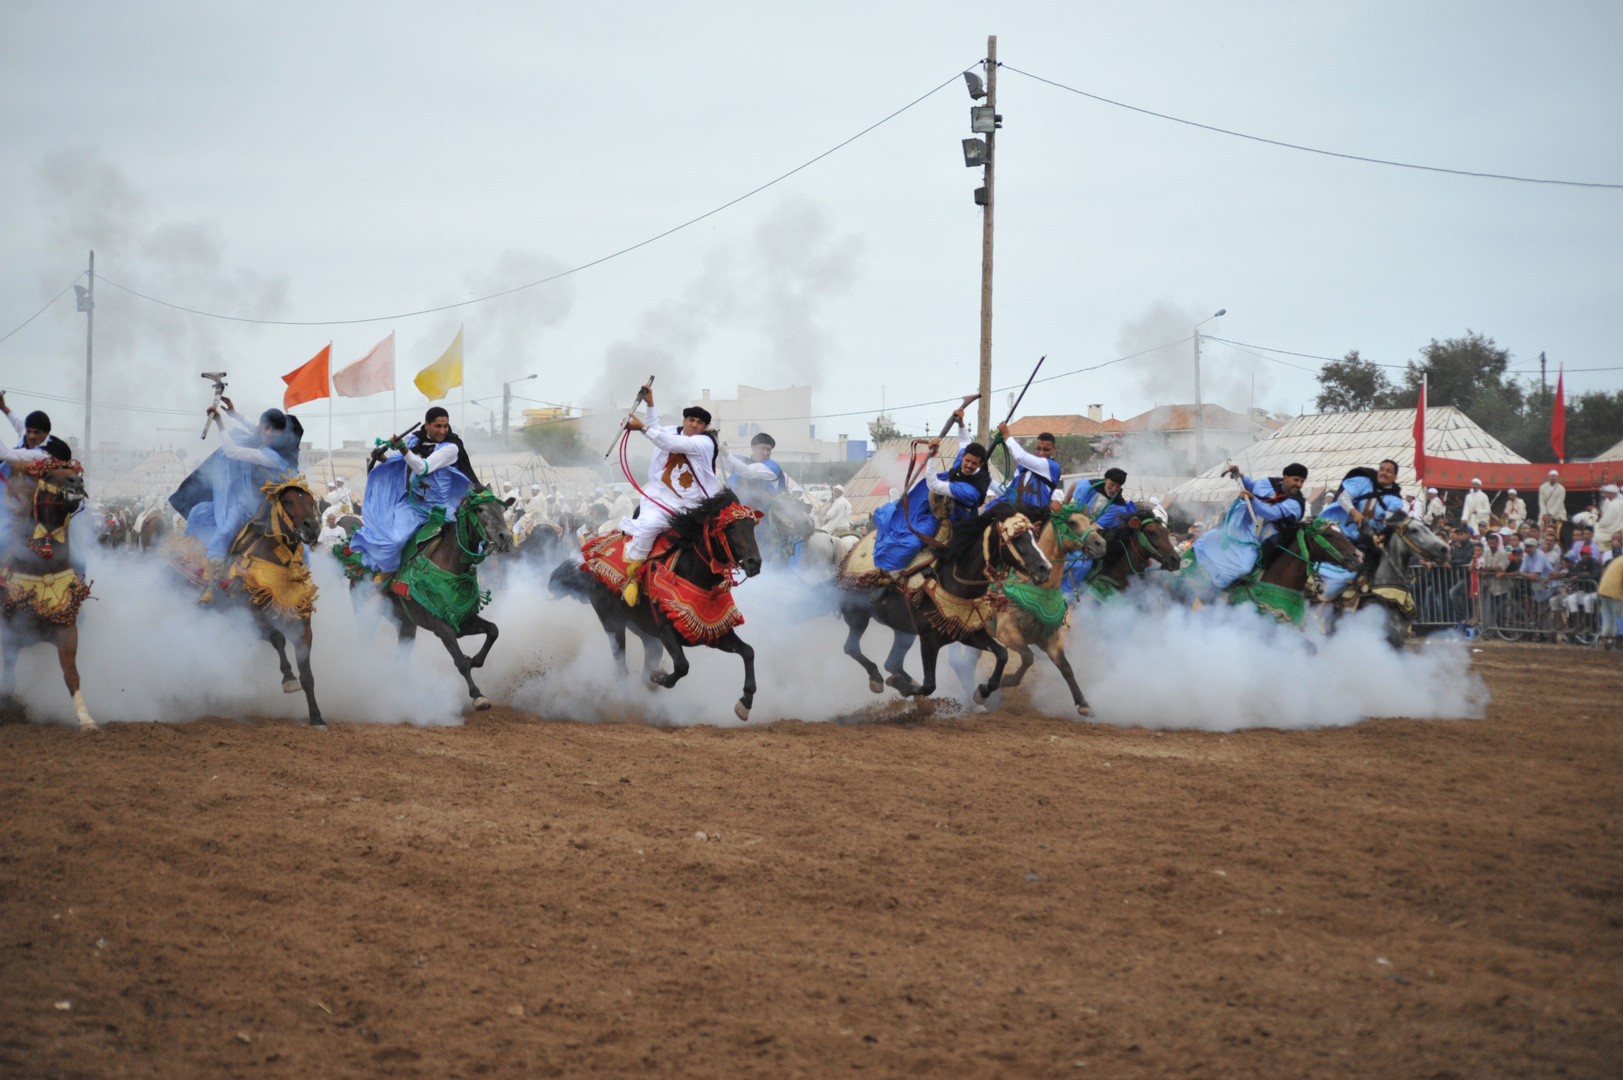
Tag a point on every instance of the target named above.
point(633, 571)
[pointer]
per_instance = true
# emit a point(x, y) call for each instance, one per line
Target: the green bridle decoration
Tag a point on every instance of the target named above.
point(468, 524)
point(1313, 532)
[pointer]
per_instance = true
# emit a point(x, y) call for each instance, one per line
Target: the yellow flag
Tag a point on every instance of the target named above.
point(437, 379)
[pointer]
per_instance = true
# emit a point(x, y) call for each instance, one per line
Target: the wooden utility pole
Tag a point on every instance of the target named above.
point(984, 418)
point(90, 351)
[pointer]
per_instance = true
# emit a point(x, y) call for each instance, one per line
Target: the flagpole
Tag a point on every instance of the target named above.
point(330, 474)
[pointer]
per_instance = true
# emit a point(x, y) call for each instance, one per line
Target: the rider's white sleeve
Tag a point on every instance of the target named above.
point(253, 455)
point(753, 470)
point(17, 422)
point(16, 455)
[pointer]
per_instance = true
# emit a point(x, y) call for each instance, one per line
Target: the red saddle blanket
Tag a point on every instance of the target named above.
point(701, 616)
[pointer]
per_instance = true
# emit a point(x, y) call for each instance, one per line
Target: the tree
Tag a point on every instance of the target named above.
point(1352, 384)
point(882, 429)
point(559, 443)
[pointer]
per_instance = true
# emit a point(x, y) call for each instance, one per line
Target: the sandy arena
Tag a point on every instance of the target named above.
point(1006, 895)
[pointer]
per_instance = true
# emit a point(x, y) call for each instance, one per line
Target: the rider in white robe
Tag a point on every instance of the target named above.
point(681, 475)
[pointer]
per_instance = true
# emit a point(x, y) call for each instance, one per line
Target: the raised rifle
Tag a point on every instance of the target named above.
point(642, 392)
point(383, 446)
point(218, 379)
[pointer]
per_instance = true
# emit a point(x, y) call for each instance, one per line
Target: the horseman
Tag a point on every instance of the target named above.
point(1359, 508)
point(34, 443)
point(1266, 510)
point(1036, 483)
point(952, 496)
point(681, 475)
point(1095, 497)
point(223, 494)
point(407, 479)
point(757, 479)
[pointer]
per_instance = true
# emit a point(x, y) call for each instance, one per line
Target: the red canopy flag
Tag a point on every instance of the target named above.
point(1420, 436)
point(1558, 419)
point(371, 374)
point(308, 381)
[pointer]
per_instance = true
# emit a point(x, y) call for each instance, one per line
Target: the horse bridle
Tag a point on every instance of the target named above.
point(715, 535)
point(36, 471)
point(1008, 530)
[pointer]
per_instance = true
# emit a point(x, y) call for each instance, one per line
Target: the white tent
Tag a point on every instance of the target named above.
point(1330, 444)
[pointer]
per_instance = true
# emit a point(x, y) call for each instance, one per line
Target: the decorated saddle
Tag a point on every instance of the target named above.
point(54, 597)
point(443, 594)
point(701, 616)
point(859, 571)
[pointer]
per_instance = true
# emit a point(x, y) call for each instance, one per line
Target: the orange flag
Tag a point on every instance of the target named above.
point(308, 381)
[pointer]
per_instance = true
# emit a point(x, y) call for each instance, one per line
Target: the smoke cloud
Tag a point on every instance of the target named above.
point(1167, 374)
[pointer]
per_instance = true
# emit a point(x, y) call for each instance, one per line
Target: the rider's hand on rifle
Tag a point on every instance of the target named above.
point(935, 447)
point(4, 408)
point(1002, 429)
point(230, 408)
point(634, 423)
point(1232, 472)
point(648, 394)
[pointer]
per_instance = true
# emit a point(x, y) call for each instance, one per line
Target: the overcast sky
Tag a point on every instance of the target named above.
point(321, 161)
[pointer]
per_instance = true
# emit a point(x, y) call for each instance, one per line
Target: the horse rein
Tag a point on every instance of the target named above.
point(1008, 530)
point(715, 533)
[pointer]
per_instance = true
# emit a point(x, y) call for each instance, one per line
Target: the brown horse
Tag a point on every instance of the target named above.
point(446, 569)
point(40, 589)
point(1133, 546)
point(266, 574)
point(1019, 627)
point(153, 530)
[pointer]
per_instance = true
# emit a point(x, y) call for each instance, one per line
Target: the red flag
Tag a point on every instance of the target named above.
point(308, 381)
point(1558, 419)
point(1420, 437)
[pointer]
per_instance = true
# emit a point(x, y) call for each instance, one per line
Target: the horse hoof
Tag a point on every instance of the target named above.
point(981, 695)
point(291, 686)
point(318, 724)
point(740, 711)
point(876, 686)
point(658, 677)
point(88, 725)
point(981, 710)
point(480, 704)
point(1083, 710)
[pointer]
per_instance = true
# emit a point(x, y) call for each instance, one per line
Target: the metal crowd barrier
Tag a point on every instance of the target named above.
point(1519, 610)
point(1444, 596)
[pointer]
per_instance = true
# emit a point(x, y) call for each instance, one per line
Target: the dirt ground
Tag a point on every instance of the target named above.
point(1005, 895)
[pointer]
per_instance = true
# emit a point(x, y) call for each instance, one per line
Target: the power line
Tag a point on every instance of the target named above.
point(561, 274)
point(1339, 359)
point(1313, 149)
point(48, 303)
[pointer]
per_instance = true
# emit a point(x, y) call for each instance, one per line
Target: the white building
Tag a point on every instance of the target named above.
point(784, 414)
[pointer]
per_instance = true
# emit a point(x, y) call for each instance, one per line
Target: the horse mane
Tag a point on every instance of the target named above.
point(966, 534)
point(1039, 515)
point(689, 524)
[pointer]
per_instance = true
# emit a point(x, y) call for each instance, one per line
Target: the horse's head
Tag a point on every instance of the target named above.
point(1413, 533)
point(1326, 542)
point(789, 516)
point(59, 490)
point(298, 506)
point(488, 513)
point(1016, 543)
point(1156, 540)
point(1077, 533)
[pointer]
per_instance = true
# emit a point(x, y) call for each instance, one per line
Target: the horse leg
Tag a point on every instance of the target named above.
point(442, 630)
point(653, 652)
point(476, 625)
point(679, 660)
point(1056, 652)
point(929, 649)
point(895, 663)
point(278, 641)
point(1023, 651)
point(734, 644)
point(307, 678)
point(856, 621)
point(9, 648)
point(67, 652)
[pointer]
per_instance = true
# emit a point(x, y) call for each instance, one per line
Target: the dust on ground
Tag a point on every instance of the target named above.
point(1004, 895)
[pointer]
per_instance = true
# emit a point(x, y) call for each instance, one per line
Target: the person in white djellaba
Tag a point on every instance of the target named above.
point(1477, 508)
point(837, 514)
point(1515, 510)
point(681, 475)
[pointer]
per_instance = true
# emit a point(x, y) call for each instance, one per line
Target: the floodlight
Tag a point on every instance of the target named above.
point(975, 153)
point(976, 89)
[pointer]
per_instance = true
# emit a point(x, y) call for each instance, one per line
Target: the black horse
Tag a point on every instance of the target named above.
point(1001, 538)
point(712, 540)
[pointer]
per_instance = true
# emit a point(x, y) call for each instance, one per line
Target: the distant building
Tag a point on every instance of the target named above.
point(784, 414)
point(1166, 433)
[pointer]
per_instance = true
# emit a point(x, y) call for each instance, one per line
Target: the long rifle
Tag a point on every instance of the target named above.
point(1029, 381)
point(642, 392)
point(384, 445)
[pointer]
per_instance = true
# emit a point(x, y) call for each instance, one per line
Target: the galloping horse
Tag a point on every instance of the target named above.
point(788, 524)
point(1132, 546)
point(40, 591)
point(437, 585)
point(266, 575)
point(948, 603)
point(700, 552)
point(1036, 610)
point(1280, 590)
point(1402, 540)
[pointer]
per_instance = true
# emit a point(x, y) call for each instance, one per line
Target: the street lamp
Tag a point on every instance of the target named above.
point(507, 400)
point(1200, 409)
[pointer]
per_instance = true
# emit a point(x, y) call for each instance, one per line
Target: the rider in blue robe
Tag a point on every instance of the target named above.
point(898, 525)
point(1035, 485)
point(223, 493)
point(1094, 497)
point(757, 480)
point(1228, 551)
point(1078, 567)
point(429, 470)
point(1360, 506)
